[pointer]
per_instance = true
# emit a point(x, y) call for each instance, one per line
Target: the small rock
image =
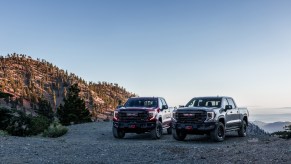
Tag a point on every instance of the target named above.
point(202, 157)
point(253, 140)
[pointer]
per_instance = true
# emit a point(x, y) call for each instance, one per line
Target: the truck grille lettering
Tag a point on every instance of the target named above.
point(133, 115)
point(193, 117)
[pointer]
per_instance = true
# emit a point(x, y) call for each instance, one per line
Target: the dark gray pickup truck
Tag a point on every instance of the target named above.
point(213, 116)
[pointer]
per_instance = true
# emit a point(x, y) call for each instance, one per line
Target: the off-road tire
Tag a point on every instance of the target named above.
point(218, 134)
point(242, 132)
point(157, 132)
point(117, 133)
point(178, 135)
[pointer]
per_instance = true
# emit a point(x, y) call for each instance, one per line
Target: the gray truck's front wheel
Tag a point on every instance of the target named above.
point(178, 135)
point(218, 134)
point(157, 132)
point(242, 132)
point(117, 133)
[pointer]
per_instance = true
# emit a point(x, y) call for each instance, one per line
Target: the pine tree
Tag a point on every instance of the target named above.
point(45, 109)
point(74, 109)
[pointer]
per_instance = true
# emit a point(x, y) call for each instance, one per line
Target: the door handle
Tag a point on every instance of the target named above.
point(230, 112)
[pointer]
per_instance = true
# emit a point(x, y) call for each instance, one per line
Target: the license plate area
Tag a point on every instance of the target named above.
point(188, 127)
point(132, 126)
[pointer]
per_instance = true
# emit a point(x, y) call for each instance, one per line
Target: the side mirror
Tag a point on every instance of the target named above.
point(164, 107)
point(181, 106)
point(227, 107)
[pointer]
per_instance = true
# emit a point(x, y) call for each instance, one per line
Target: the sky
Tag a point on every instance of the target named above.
point(168, 48)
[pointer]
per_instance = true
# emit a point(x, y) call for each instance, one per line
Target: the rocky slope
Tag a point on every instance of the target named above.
point(28, 80)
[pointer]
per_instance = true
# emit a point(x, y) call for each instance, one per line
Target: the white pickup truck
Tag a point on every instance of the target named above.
point(142, 114)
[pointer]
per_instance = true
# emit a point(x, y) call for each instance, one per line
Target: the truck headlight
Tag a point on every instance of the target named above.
point(152, 115)
point(210, 116)
point(115, 116)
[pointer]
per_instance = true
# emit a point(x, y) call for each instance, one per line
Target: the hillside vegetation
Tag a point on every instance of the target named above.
point(30, 81)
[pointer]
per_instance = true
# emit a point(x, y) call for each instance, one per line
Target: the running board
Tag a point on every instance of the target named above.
point(231, 129)
point(166, 127)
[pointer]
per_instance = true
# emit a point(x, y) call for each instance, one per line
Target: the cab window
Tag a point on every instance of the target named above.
point(224, 103)
point(230, 101)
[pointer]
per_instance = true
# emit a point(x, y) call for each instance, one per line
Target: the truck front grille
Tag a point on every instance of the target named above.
point(133, 115)
point(192, 117)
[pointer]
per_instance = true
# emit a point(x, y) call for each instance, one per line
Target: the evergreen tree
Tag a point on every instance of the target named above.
point(45, 109)
point(74, 109)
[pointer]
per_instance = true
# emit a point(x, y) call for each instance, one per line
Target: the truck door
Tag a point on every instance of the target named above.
point(229, 114)
point(166, 114)
point(236, 117)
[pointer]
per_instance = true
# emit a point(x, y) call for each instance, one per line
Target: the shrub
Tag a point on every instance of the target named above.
point(5, 116)
point(55, 130)
point(19, 124)
point(284, 134)
point(39, 124)
point(3, 133)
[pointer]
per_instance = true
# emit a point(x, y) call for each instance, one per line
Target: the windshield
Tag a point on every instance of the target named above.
point(142, 102)
point(204, 102)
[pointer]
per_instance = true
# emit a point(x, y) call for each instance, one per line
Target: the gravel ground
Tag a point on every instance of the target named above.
point(94, 143)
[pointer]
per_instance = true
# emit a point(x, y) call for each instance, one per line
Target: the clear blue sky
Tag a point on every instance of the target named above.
point(175, 49)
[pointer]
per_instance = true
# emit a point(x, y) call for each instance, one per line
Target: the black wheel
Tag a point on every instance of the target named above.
point(157, 132)
point(117, 133)
point(218, 134)
point(178, 135)
point(242, 132)
point(169, 130)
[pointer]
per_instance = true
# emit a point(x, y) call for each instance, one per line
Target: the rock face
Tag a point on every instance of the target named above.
point(255, 130)
point(94, 143)
point(28, 80)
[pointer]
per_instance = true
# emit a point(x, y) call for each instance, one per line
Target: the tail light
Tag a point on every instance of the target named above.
point(115, 116)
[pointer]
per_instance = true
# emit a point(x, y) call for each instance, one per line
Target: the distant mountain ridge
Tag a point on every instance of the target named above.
point(255, 130)
point(28, 80)
point(272, 127)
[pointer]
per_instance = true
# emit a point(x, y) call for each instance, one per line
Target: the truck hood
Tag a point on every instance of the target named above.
point(136, 108)
point(189, 109)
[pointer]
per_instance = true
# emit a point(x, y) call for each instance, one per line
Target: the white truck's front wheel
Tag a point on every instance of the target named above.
point(157, 132)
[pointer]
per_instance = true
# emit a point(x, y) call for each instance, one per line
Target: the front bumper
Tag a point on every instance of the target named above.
point(135, 127)
point(195, 128)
